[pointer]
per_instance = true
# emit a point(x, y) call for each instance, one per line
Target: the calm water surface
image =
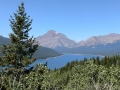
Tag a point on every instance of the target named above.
point(60, 61)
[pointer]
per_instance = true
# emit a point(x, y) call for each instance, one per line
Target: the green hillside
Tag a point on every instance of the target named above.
point(41, 53)
point(4, 40)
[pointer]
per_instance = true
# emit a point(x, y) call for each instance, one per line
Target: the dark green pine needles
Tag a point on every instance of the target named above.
point(19, 53)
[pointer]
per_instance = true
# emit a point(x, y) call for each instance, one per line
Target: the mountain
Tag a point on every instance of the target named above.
point(99, 49)
point(103, 45)
point(41, 53)
point(52, 39)
point(95, 40)
point(4, 40)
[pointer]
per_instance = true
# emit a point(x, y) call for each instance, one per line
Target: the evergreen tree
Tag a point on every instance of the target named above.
point(97, 60)
point(19, 53)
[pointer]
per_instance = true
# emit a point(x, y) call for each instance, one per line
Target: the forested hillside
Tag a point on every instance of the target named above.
point(92, 74)
point(108, 49)
point(4, 40)
point(41, 53)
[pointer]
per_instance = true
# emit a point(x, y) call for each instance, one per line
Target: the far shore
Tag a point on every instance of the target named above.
point(50, 57)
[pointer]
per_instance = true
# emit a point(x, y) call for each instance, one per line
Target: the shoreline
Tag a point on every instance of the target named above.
point(68, 53)
point(86, 54)
point(49, 57)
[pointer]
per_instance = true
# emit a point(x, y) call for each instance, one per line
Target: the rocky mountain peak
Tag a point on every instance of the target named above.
point(52, 39)
point(110, 38)
point(53, 34)
point(113, 34)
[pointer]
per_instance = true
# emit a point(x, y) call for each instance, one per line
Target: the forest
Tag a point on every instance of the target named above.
point(87, 74)
point(92, 74)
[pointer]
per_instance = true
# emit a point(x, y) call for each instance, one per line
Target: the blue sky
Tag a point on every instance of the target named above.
point(77, 19)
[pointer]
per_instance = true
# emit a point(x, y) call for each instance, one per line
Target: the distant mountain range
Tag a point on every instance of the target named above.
point(41, 53)
point(103, 45)
point(95, 40)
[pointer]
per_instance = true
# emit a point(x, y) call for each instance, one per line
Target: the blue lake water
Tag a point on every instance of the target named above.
point(60, 61)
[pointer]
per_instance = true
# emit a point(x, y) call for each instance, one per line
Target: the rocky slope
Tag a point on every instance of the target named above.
point(102, 45)
point(52, 39)
point(95, 40)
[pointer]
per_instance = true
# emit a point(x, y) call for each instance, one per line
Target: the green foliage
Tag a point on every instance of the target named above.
point(88, 75)
point(76, 75)
point(19, 53)
point(37, 79)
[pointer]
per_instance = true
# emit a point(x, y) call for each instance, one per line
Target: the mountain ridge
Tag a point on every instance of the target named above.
point(94, 40)
point(53, 39)
point(98, 45)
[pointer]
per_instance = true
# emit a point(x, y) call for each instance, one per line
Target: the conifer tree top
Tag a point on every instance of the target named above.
point(19, 53)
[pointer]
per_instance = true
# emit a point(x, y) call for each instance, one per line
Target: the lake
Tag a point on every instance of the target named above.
point(60, 61)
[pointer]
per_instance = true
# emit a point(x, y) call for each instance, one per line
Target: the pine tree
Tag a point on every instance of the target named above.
point(19, 53)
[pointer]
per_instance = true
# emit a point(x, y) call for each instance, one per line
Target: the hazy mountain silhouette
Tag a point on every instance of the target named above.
point(107, 44)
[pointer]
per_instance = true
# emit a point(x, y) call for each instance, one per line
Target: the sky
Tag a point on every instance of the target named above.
point(77, 19)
